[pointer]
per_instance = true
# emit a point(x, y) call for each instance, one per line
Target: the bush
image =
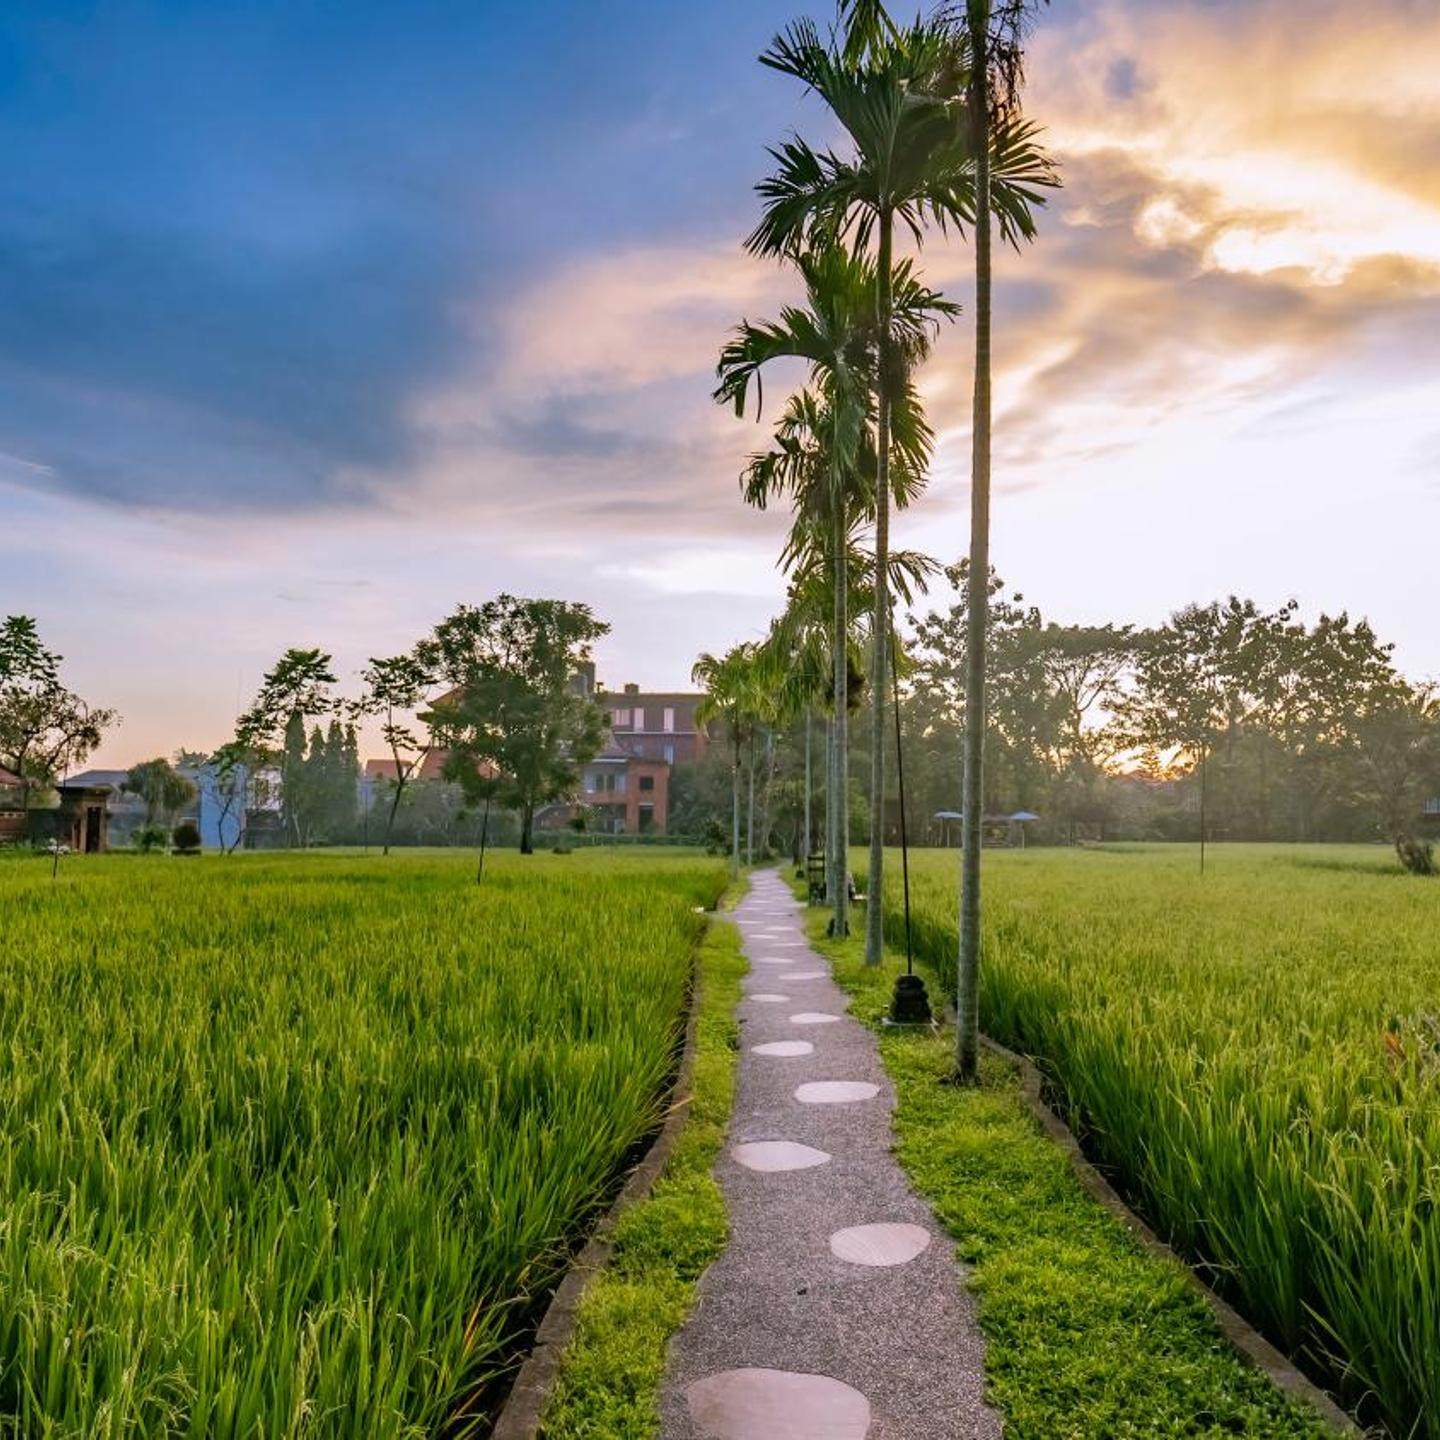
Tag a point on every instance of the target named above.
point(186, 838)
point(1417, 856)
point(150, 838)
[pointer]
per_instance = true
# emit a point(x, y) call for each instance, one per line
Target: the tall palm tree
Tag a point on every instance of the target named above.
point(993, 33)
point(893, 91)
point(728, 682)
point(835, 333)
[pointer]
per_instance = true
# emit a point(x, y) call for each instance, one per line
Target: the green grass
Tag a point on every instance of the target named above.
point(293, 1145)
point(1088, 1337)
point(610, 1373)
point(1254, 1057)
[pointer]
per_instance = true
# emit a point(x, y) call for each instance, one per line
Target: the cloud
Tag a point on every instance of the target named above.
point(1214, 247)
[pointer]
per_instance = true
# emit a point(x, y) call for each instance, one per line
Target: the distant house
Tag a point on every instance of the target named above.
point(124, 812)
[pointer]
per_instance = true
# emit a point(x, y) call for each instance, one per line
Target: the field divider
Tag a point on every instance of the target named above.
point(1241, 1334)
point(520, 1416)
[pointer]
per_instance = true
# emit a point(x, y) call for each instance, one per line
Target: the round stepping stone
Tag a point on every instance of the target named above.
point(776, 1155)
point(773, 960)
point(835, 1092)
point(785, 1049)
point(778, 1405)
point(884, 1244)
point(806, 975)
point(813, 1017)
point(770, 999)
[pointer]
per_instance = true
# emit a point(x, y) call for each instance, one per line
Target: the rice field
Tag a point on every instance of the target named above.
point(1254, 1055)
point(291, 1146)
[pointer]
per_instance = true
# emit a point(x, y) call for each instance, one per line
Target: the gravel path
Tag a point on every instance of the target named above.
point(837, 1312)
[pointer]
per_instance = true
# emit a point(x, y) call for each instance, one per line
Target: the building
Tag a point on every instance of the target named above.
point(624, 795)
point(83, 818)
point(655, 724)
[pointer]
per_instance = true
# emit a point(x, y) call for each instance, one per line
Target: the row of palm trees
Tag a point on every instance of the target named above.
point(933, 140)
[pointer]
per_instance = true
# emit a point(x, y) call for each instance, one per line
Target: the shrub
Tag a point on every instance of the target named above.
point(186, 838)
point(149, 839)
point(1417, 856)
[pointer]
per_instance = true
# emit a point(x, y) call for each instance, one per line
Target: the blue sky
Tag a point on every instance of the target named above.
point(316, 320)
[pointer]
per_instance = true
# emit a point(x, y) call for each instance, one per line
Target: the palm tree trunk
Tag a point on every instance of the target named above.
point(735, 813)
point(967, 998)
point(805, 848)
point(830, 799)
point(839, 819)
point(750, 810)
point(880, 625)
point(766, 792)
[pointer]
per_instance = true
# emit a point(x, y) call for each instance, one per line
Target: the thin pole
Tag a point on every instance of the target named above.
point(1204, 771)
point(484, 836)
point(900, 775)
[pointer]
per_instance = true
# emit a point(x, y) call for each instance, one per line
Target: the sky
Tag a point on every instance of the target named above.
point(317, 320)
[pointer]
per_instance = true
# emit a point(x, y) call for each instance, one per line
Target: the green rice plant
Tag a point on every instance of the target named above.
point(1251, 1054)
point(294, 1145)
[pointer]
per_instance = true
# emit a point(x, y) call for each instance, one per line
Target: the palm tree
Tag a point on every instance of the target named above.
point(824, 440)
point(993, 35)
point(729, 683)
point(894, 92)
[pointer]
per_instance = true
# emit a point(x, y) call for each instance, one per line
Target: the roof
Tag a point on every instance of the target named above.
point(9, 777)
point(90, 778)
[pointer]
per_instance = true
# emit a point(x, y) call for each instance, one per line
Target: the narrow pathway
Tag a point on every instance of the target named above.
point(837, 1311)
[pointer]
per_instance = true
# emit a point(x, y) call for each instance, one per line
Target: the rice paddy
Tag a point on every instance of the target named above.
point(1254, 1055)
point(292, 1145)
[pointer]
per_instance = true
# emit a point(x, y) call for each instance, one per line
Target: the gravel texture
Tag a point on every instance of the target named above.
point(904, 1335)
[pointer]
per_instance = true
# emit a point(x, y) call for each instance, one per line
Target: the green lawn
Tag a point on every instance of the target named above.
point(292, 1145)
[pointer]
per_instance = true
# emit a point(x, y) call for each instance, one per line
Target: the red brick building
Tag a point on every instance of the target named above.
point(655, 724)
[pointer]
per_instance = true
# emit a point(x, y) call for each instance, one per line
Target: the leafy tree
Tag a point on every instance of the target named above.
point(515, 728)
point(163, 789)
point(1397, 745)
point(397, 686)
point(45, 727)
point(295, 690)
point(227, 776)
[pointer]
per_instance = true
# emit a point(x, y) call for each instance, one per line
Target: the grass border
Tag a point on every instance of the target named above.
point(602, 1374)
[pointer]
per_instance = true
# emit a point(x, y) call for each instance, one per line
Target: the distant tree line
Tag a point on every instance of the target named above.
point(1229, 721)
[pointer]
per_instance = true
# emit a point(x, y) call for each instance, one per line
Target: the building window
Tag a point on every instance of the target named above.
point(647, 782)
point(619, 718)
point(669, 725)
point(669, 752)
point(647, 819)
point(639, 717)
